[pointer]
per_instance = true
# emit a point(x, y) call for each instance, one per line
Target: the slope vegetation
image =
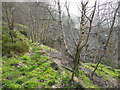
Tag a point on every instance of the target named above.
point(33, 65)
point(36, 69)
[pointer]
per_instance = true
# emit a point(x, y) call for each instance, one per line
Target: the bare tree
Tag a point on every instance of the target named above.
point(82, 43)
point(107, 41)
point(8, 11)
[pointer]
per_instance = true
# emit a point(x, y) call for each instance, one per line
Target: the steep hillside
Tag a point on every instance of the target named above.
point(42, 67)
point(34, 65)
point(44, 46)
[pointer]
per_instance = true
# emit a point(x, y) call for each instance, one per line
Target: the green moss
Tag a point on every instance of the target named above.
point(34, 47)
point(20, 25)
point(21, 80)
point(107, 73)
point(35, 70)
point(42, 72)
point(7, 68)
point(86, 81)
point(25, 57)
point(87, 65)
point(12, 85)
point(27, 71)
point(47, 48)
point(31, 84)
point(103, 71)
point(16, 45)
point(66, 76)
point(37, 66)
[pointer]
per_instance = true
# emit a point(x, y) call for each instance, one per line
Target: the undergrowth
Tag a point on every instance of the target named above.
point(35, 71)
point(28, 72)
point(104, 71)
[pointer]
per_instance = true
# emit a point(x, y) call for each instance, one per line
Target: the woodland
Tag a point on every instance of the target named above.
point(45, 46)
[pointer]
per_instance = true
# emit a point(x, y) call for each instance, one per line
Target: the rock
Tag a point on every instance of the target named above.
point(53, 86)
point(54, 66)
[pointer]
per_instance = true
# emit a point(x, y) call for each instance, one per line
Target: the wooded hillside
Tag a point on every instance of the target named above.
point(45, 46)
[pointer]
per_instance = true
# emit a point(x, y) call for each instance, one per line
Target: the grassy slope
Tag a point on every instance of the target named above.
point(34, 70)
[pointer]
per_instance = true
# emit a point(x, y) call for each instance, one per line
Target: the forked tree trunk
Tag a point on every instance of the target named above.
point(82, 43)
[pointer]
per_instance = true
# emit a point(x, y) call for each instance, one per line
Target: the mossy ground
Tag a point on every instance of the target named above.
point(35, 71)
point(14, 43)
point(105, 76)
point(104, 71)
point(28, 72)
